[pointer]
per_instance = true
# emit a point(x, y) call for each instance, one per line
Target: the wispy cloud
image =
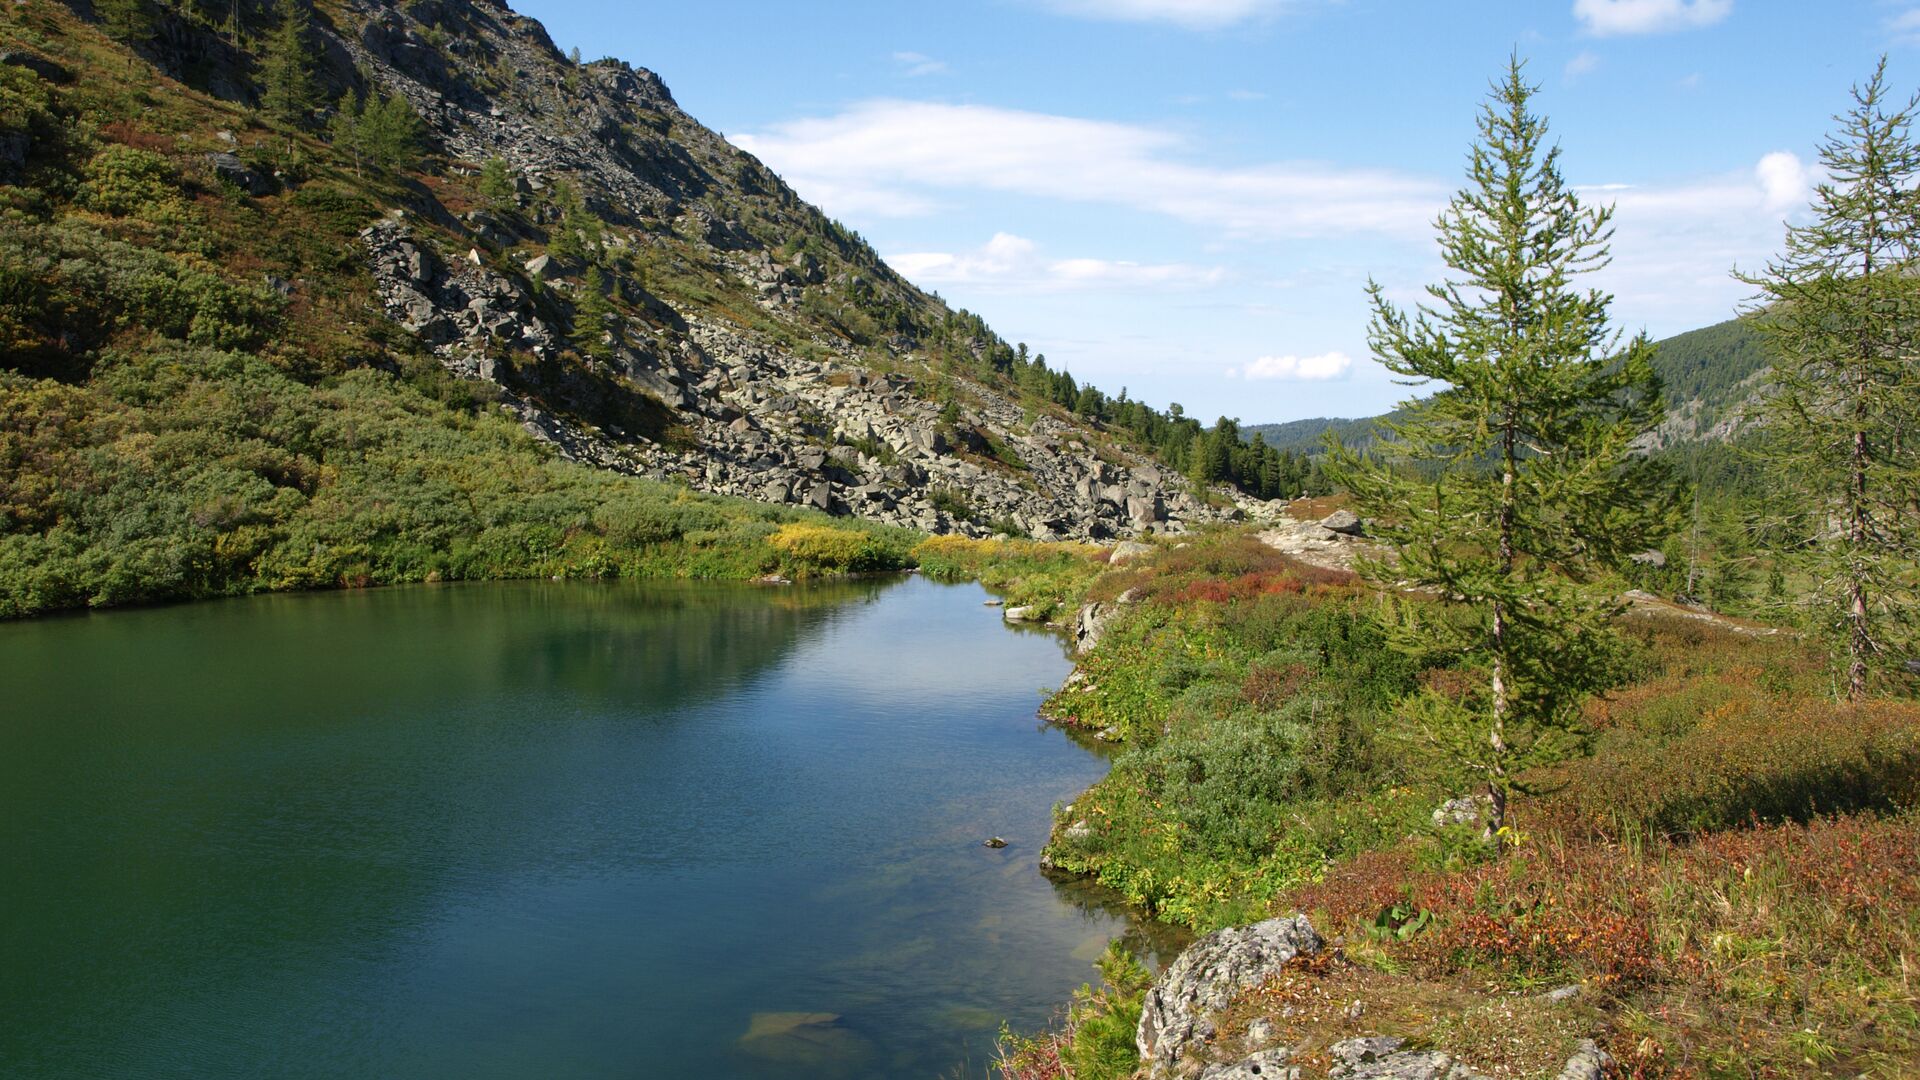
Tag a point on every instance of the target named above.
point(1675, 245)
point(895, 157)
point(1904, 28)
point(1586, 63)
point(1320, 368)
point(1009, 262)
point(1605, 18)
point(913, 65)
point(1192, 14)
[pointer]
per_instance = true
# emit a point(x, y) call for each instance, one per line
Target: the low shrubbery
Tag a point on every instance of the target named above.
point(1097, 1040)
point(189, 472)
point(1251, 719)
point(1051, 578)
point(820, 549)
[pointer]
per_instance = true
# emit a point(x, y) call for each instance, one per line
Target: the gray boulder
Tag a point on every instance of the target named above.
point(1589, 1062)
point(1265, 1065)
point(1343, 521)
point(1176, 1018)
point(1380, 1058)
point(1465, 810)
point(1126, 551)
point(231, 169)
point(1090, 625)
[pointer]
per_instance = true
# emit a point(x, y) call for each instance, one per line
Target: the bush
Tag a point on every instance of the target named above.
point(1747, 759)
point(124, 180)
point(813, 549)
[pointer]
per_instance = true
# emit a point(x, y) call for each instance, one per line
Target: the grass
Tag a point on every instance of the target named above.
point(1051, 578)
point(1732, 872)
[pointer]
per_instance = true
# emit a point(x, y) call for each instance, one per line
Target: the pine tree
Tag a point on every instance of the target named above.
point(1502, 493)
point(380, 131)
point(291, 91)
point(1841, 311)
point(496, 183)
point(591, 313)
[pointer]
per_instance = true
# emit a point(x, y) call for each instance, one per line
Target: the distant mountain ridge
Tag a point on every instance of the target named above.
point(1711, 375)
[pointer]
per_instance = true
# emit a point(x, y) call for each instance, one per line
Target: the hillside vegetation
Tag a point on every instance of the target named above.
point(270, 321)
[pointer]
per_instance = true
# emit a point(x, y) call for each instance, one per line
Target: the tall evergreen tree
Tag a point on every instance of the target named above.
point(380, 131)
point(286, 67)
point(591, 313)
point(1504, 491)
point(1841, 310)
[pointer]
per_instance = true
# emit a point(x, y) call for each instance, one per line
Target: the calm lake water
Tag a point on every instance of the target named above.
point(533, 830)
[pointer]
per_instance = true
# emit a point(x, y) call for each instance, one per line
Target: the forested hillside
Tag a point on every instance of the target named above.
point(1709, 374)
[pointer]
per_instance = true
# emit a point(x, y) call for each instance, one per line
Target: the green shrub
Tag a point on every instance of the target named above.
point(1751, 759)
point(813, 549)
point(125, 180)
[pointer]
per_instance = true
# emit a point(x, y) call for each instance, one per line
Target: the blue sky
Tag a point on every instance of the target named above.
point(1186, 197)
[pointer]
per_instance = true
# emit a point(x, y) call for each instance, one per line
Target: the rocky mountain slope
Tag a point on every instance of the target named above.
point(795, 365)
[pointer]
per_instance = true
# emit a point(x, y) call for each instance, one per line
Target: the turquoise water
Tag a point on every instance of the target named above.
point(533, 830)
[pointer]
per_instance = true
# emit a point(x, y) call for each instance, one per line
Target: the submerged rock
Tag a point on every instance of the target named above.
point(809, 1038)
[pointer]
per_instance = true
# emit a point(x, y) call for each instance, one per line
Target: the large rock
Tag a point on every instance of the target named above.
point(1126, 551)
point(1380, 1058)
point(1589, 1062)
point(1343, 521)
point(1176, 1019)
point(1265, 1065)
point(1090, 625)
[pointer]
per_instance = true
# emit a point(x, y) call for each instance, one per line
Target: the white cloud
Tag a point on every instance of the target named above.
point(889, 157)
point(1192, 14)
point(1013, 263)
point(1675, 245)
point(1608, 17)
point(1905, 27)
point(1785, 182)
point(1586, 63)
point(1246, 95)
point(913, 64)
point(1329, 365)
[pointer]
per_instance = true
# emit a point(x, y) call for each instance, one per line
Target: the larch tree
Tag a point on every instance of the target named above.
point(1508, 490)
point(1841, 311)
point(290, 90)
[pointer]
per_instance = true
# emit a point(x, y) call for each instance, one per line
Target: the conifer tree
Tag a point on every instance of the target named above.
point(1502, 493)
point(591, 312)
point(496, 183)
point(380, 131)
point(1841, 311)
point(291, 91)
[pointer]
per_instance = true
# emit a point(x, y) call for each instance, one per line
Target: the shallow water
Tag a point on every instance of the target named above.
point(533, 829)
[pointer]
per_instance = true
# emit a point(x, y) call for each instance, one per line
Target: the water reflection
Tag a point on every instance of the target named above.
point(533, 829)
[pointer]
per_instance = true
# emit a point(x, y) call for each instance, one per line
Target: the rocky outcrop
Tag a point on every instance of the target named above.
point(1177, 1036)
point(1265, 1065)
point(776, 403)
point(1177, 1017)
point(1380, 1058)
point(1319, 543)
